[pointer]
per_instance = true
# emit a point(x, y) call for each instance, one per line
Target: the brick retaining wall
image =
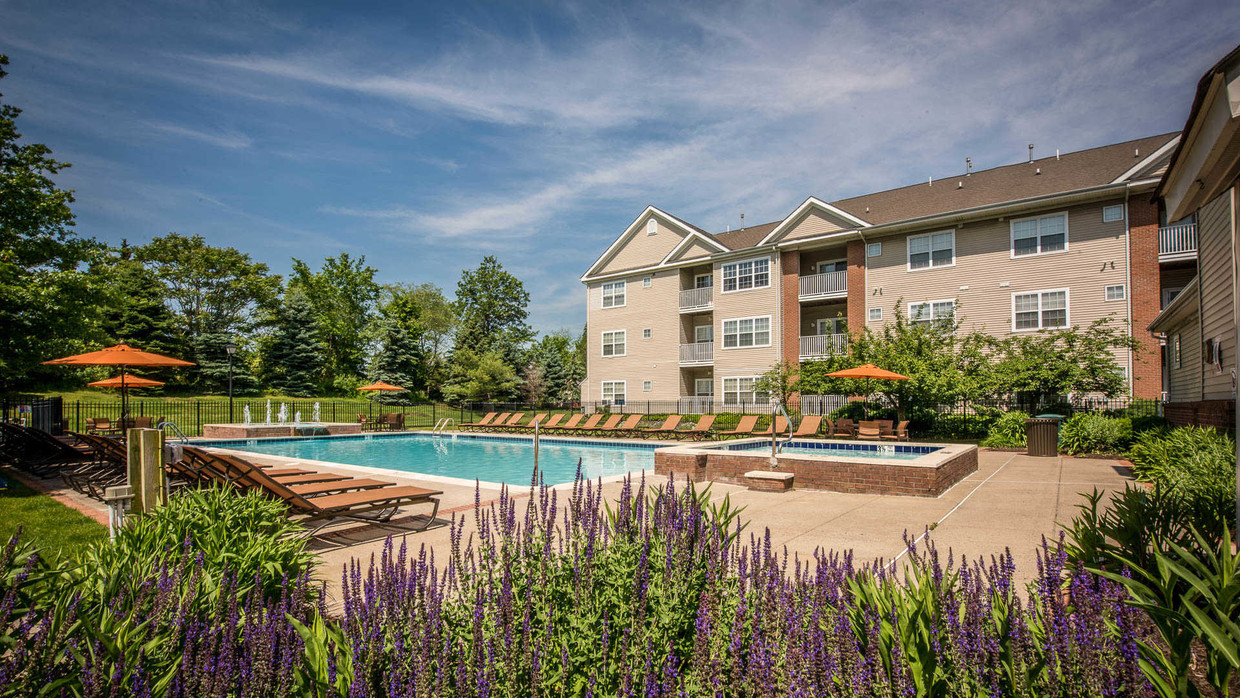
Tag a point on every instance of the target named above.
point(1207, 413)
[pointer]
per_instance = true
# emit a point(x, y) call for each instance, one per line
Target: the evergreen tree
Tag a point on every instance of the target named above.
point(136, 312)
point(212, 357)
point(292, 356)
point(399, 361)
point(481, 376)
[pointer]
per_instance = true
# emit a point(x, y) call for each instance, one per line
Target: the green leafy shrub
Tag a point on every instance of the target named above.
point(1157, 452)
point(1007, 431)
point(1095, 433)
point(1149, 422)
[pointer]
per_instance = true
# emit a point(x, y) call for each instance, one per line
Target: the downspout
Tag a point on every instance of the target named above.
point(1128, 291)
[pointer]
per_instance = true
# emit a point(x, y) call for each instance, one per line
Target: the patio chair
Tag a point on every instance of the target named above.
point(885, 426)
point(395, 421)
point(701, 430)
point(627, 428)
point(808, 428)
point(844, 427)
point(499, 419)
point(780, 424)
point(668, 428)
point(366, 422)
point(743, 427)
point(589, 425)
point(550, 423)
point(467, 426)
point(870, 431)
point(529, 426)
point(900, 434)
point(573, 421)
point(100, 425)
point(513, 420)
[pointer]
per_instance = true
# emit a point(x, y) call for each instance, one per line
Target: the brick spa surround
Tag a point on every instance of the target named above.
point(926, 476)
point(259, 431)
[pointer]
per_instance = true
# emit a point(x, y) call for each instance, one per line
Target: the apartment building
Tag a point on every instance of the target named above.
point(1202, 183)
point(679, 313)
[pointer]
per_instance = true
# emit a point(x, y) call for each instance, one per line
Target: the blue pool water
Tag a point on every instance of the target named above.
point(829, 449)
point(486, 458)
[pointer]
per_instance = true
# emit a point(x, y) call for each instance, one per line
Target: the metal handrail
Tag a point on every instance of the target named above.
point(777, 446)
point(442, 425)
point(175, 429)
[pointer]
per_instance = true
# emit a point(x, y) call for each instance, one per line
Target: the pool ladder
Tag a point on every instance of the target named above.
point(442, 425)
point(778, 443)
point(175, 430)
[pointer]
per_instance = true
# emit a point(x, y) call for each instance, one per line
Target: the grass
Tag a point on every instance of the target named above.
point(55, 528)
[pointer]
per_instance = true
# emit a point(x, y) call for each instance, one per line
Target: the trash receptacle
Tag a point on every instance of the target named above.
point(1042, 434)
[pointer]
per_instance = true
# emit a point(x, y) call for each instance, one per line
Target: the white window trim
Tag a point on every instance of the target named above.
point(1012, 236)
point(908, 251)
point(871, 246)
point(603, 343)
point(647, 386)
point(724, 385)
point(647, 333)
point(708, 275)
point(695, 334)
point(603, 294)
point(770, 271)
point(1123, 293)
point(708, 381)
point(770, 333)
point(818, 265)
point(624, 390)
point(870, 318)
point(1122, 215)
point(1067, 309)
point(647, 280)
point(931, 304)
point(829, 321)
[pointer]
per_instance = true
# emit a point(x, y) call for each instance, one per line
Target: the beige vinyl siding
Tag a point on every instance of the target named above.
point(749, 361)
point(1095, 259)
point(1184, 383)
point(642, 250)
point(813, 224)
point(656, 359)
point(1177, 278)
point(694, 250)
point(1214, 255)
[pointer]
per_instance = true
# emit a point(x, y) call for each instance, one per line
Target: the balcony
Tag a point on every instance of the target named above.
point(820, 346)
point(697, 354)
point(1177, 242)
point(833, 284)
point(697, 299)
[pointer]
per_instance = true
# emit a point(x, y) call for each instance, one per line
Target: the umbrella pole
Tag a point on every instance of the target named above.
point(124, 398)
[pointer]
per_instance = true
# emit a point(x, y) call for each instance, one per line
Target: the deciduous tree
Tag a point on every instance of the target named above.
point(491, 307)
point(343, 293)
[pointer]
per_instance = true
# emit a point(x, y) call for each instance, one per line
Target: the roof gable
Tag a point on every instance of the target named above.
point(813, 217)
point(634, 248)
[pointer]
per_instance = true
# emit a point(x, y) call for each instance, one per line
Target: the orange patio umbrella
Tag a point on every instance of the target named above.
point(380, 386)
point(123, 356)
point(868, 372)
point(126, 382)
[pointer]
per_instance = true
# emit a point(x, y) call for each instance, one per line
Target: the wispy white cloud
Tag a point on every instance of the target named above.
point(227, 139)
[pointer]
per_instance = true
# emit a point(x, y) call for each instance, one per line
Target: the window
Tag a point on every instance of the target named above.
point(613, 294)
point(1040, 310)
point(747, 332)
point(932, 311)
point(652, 226)
point(704, 281)
point(1176, 356)
point(645, 282)
point(751, 273)
point(1112, 213)
point(1041, 235)
point(932, 251)
point(613, 391)
point(646, 333)
point(647, 386)
point(833, 265)
point(830, 325)
point(874, 249)
point(704, 387)
point(876, 314)
point(1169, 295)
point(613, 343)
point(704, 333)
point(1115, 293)
point(740, 390)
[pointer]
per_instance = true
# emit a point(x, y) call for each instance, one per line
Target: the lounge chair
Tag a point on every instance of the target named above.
point(870, 431)
point(668, 428)
point(808, 427)
point(780, 427)
point(513, 420)
point(844, 427)
point(499, 419)
point(550, 423)
point(371, 505)
point(529, 426)
point(628, 428)
point(900, 434)
point(573, 421)
point(480, 423)
point(743, 427)
point(701, 430)
point(590, 424)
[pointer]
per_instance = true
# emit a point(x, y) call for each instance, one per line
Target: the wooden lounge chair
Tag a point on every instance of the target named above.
point(780, 424)
point(808, 427)
point(573, 421)
point(499, 419)
point(480, 423)
point(743, 427)
point(529, 426)
point(668, 428)
point(627, 428)
point(376, 505)
point(900, 434)
point(870, 431)
point(552, 422)
point(513, 420)
point(701, 430)
point(590, 424)
point(844, 427)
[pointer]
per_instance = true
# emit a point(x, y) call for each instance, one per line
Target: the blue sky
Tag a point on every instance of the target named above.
point(425, 136)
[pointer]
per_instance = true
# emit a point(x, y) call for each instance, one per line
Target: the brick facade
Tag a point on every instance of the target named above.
point(856, 286)
point(1220, 414)
point(789, 291)
point(1144, 295)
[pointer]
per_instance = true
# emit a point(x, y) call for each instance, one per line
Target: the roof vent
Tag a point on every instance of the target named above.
point(867, 209)
point(930, 182)
point(960, 185)
point(1030, 152)
point(1056, 153)
point(1038, 171)
point(742, 221)
point(968, 166)
point(1136, 152)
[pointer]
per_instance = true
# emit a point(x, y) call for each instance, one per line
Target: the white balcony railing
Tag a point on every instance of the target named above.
point(820, 345)
point(821, 285)
point(697, 353)
point(1178, 241)
point(697, 298)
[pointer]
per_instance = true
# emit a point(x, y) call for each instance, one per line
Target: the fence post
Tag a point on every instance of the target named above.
point(433, 420)
point(198, 412)
point(77, 415)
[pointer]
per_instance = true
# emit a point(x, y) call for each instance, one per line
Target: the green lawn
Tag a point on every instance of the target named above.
point(55, 528)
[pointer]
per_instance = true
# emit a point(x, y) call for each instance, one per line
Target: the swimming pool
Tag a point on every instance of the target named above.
point(466, 456)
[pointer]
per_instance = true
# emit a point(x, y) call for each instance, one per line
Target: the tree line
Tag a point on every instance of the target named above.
point(322, 330)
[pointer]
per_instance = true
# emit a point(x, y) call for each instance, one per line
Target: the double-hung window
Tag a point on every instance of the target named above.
point(741, 390)
point(938, 312)
point(932, 250)
point(613, 294)
point(1040, 235)
point(613, 391)
point(751, 273)
point(747, 332)
point(613, 343)
point(1040, 310)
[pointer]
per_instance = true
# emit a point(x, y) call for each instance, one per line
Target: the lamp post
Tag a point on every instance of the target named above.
point(231, 348)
